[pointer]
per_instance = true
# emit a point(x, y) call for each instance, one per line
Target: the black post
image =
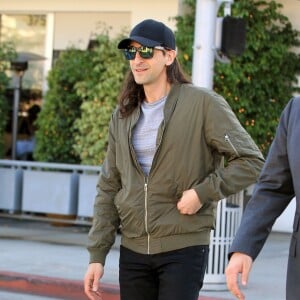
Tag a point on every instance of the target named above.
point(15, 112)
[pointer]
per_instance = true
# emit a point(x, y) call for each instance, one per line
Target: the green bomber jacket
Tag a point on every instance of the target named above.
point(201, 145)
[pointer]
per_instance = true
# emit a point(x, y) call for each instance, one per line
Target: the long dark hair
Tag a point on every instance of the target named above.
point(132, 94)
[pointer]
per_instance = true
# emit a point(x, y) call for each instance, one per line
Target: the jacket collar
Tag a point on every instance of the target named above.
point(171, 101)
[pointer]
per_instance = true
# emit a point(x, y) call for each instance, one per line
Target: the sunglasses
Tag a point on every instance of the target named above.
point(144, 52)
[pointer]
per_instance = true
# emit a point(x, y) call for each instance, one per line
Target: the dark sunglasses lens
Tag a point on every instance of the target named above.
point(146, 52)
point(129, 53)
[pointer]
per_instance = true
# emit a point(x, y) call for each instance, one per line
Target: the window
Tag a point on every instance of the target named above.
point(27, 32)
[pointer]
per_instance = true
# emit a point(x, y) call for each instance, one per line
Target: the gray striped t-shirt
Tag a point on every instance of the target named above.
point(145, 132)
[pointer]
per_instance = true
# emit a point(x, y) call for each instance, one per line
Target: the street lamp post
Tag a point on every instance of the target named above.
point(19, 66)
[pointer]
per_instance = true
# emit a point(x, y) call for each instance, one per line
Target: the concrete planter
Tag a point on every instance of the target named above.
point(51, 192)
point(86, 194)
point(10, 189)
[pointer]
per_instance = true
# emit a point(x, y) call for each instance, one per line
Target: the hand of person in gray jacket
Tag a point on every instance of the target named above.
point(239, 263)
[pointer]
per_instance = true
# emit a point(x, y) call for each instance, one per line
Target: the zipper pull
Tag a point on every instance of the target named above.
point(227, 139)
point(146, 184)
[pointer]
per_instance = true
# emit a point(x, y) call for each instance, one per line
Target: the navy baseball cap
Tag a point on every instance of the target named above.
point(150, 33)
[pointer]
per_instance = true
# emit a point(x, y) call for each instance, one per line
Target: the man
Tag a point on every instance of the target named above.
point(277, 185)
point(164, 173)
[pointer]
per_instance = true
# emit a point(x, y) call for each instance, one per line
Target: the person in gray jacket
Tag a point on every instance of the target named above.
point(164, 173)
point(278, 184)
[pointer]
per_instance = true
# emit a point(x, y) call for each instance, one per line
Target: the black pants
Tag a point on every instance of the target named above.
point(174, 275)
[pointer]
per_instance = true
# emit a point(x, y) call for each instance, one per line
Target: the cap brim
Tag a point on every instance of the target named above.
point(141, 40)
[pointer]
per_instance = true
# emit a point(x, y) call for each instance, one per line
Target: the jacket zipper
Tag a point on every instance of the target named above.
point(145, 193)
point(227, 139)
point(146, 196)
point(146, 214)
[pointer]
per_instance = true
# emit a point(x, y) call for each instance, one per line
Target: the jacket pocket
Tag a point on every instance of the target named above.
point(131, 212)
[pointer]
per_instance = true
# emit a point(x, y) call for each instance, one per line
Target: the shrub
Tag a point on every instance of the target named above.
point(55, 134)
point(99, 92)
point(7, 53)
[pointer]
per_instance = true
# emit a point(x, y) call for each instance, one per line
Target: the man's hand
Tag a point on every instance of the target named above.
point(239, 263)
point(91, 281)
point(189, 203)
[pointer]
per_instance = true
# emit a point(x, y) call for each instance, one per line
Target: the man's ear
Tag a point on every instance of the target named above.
point(171, 55)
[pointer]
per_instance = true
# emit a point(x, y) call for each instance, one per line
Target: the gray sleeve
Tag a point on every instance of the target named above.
point(271, 195)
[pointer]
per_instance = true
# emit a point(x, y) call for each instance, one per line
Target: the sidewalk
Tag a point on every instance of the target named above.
point(43, 259)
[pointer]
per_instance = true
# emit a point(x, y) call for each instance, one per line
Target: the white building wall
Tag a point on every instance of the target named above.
point(138, 10)
point(291, 9)
point(74, 22)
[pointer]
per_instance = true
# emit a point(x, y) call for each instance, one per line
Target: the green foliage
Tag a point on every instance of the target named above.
point(185, 36)
point(7, 53)
point(258, 84)
point(55, 134)
point(100, 93)
point(83, 89)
